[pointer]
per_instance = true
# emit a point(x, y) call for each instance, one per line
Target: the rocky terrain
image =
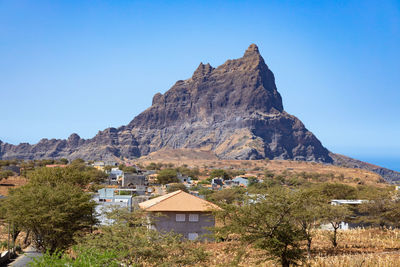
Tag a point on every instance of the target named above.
point(233, 110)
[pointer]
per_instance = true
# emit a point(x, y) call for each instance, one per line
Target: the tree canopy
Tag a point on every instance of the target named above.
point(52, 206)
point(167, 176)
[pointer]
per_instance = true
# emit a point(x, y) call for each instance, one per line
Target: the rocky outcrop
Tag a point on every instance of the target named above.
point(233, 110)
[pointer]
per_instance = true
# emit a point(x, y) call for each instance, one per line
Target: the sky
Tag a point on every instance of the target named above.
point(83, 66)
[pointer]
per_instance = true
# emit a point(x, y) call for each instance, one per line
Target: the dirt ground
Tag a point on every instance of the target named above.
point(11, 182)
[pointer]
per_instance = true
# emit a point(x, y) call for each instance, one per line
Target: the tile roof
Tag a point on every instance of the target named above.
point(178, 201)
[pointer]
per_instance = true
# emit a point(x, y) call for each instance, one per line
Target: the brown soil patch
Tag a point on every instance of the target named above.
point(11, 182)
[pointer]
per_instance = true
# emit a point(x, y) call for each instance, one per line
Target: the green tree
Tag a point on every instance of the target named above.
point(84, 257)
point(267, 223)
point(75, 174)
point(78, 161)
point(53, 214)
point(335, 215)
point(154, 166)
point(338, 191)
point(5, 174)
point(227, 196)
point(52, 206)
point(193, 173)
point(308, 213)
point(219, 173)
point(167, 176)
point(63, 161)
point(130, 169)
point(176, 186)
point(383, 211)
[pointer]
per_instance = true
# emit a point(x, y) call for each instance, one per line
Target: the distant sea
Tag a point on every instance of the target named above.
point(392, 163)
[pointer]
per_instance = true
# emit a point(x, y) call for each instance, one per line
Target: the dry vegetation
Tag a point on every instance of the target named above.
point(205, 160)
point(357, 247)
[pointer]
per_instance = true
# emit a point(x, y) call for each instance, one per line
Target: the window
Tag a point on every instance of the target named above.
point(180, 217)
point(193, 217)
point(193, 236)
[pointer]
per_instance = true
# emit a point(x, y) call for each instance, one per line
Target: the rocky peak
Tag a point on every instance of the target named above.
point(73, 140)
point(252, 51)
point(202, 71)
point(156, 98)
point(74, 137)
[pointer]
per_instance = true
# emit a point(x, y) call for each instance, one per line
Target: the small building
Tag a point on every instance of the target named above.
point(181, 213)
point(241, 181)
point(108, 199)
point(115, 175)
point(133, 180)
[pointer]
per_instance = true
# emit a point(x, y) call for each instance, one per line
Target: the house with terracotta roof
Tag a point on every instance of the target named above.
point(181, 213)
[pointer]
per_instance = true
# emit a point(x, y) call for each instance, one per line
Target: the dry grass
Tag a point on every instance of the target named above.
point(360, 260)
point(358, 247)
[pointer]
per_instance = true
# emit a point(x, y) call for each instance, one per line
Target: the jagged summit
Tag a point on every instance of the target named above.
point(202, 71)
point(234, 111)
point(252, 50)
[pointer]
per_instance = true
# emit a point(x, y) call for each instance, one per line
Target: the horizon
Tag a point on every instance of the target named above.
point(338, 76)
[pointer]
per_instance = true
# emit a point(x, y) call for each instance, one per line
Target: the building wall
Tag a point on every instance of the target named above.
point(133, 179)
point(167, 222)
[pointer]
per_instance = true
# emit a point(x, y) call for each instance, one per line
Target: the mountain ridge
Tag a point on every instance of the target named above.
point(234, 110)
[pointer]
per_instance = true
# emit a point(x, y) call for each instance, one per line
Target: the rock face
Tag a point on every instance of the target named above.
point(234, 110)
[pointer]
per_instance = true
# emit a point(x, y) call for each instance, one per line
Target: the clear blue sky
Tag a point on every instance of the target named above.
point(76, 66)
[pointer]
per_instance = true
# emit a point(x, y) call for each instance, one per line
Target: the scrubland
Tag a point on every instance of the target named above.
point(357, 247)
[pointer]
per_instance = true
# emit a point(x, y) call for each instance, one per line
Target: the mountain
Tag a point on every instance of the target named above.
point(233, 110)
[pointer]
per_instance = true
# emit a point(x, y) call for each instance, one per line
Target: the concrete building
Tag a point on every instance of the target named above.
point(108, 199)
point(133, 180)
point(181, 213)
point(115, 175)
